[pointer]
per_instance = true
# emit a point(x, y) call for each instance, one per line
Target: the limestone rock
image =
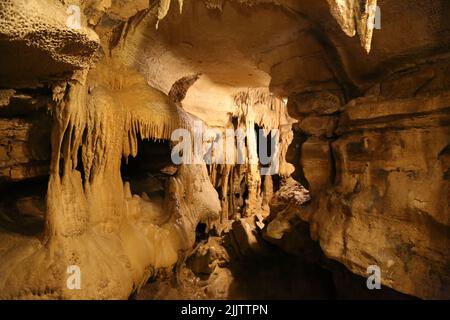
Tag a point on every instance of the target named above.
point(207, 256)
point(36, 44)
point(284, 206)
point(391, 178)
point(319, 126)
point(24, 148)
point(317, 164)
point(319, 103)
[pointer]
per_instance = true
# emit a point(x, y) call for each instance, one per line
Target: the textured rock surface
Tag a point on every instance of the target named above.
point(24, 152)
point(37, 43)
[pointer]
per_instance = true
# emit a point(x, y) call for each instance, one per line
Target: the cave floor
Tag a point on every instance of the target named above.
point(256, 278)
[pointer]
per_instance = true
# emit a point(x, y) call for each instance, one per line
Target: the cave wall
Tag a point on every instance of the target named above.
point(373, 149)
point(78, 124)
point(371, 143)
point(379, 179)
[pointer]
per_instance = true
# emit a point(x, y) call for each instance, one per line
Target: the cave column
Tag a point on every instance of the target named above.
point(253, 175)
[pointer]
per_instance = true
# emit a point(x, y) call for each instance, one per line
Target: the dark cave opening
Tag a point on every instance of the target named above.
point(306, 274)
point(23, 210)
point(80, 165)
point(25, 152)
point(149, 171)
point(294, 156)
point(201, 232)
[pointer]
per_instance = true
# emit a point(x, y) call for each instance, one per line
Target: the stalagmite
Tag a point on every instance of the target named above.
point(253, 107)
point(106, 123)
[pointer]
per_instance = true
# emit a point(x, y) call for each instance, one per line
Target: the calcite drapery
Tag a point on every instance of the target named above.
point(93, 210)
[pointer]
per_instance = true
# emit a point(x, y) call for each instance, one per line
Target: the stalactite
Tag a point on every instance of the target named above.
point(365, 23)
point(343, 12)
point(146, 125)
point(355, 16)
point(163, 9)
point(253, 107)
point(259, 106)
point(180, 5)
point(105, 116)
point(266, 109)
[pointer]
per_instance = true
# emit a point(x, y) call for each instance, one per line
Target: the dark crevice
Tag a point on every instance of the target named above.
point(146, 172)
point(201, 232)
point(23, 210)
point(294, 156)
point(333, 164)
point(80, 166)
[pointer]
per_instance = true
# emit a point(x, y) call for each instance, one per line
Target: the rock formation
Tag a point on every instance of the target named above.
point(339, 154)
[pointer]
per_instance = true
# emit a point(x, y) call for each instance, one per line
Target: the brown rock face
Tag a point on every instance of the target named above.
point(381, 191)
point(37, 42)
point(24, 152)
